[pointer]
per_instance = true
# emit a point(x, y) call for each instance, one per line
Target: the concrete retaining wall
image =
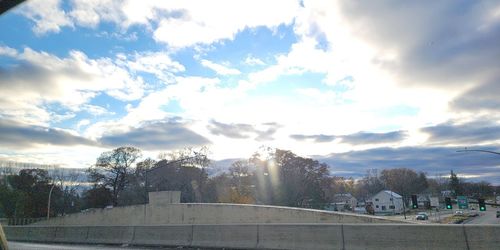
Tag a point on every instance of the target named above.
point(206, 213)
point(273, 236)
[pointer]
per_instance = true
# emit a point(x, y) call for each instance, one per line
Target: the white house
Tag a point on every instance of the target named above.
point(424, 201)
point(387, 202)
point(342, 202)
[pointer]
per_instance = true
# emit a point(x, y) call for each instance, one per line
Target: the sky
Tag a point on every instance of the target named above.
point(356, 84)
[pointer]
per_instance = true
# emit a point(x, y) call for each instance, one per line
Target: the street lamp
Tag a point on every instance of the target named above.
point(483, 151)
point(478, 150)
point(48, 203)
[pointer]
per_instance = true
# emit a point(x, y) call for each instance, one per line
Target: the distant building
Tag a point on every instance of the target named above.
point(342, 202)
point(424, 201)
point(434, 201)
point(387, 202)
point(446, 193)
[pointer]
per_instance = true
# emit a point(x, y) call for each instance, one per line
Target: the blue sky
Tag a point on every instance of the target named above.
point(350, 83)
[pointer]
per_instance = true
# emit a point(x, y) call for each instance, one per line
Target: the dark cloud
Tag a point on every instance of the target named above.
point(444, 44)
point(157, 136)
point(267, 135)
point(242, 131)
point(374, 138)
point(315, 138)
point(233, 130)
point(483, 97)
point(17, 135)
point(22, 76)
point(471, 133)
point(432, 160)
point(357, 138)
point(26, 76)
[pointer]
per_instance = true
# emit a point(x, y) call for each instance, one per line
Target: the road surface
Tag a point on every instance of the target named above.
point(486, 217)
point(39, 246)
point(434, 217)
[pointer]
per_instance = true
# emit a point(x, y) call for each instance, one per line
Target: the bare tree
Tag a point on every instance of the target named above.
point(68, 180)
point(183, 160)
point(404, 181)
point(189, 156)
point(113, 168)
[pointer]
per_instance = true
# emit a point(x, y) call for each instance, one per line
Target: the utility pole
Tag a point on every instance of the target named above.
point(404, 207)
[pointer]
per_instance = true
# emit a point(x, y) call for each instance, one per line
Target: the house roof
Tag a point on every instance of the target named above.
point(389, 192)
point(342, 194)
point(342, 197)
point(423, 198)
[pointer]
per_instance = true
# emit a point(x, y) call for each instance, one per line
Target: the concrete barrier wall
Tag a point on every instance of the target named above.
point(484, 237)
point(42, 233)
point(273, 236)
point(405, 237)
point(110, 234)
point(16, 233)
point(228, 236)
point(71, 234)
point(174, 235)
point(206, 213)
point(300, 237)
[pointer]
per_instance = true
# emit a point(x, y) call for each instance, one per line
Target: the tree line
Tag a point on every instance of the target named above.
point(122, 177)
point(25, 194)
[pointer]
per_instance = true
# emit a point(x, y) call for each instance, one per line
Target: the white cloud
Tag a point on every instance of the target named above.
point(193, 94)
point(207, 22)
point(96, 110)
point(326, 45)
point(82, 123)
point(250, 60)
point(64, 156)
point(405, 58)
point(47, 15)
point(40, 78)
point(121, 35)
point(441, 46)
point(179, 23)
point(55, 117)
point(201, 99)
point(304, 56)
point(7, 51)
point(158, 63)
point(219, 68)
point(90, 13)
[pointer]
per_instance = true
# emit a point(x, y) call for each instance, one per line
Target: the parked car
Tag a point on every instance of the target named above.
point(422, 216)
point(459, 212)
